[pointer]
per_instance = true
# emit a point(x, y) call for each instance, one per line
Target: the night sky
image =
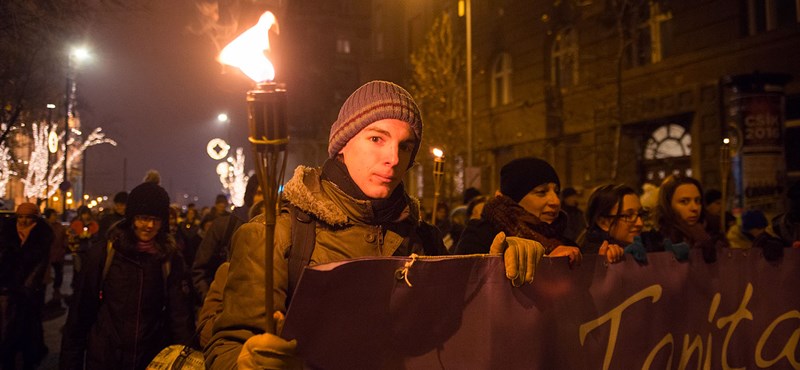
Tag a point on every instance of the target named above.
point(156, 88)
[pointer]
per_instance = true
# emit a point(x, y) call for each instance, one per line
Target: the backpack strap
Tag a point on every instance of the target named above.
point(303, 243)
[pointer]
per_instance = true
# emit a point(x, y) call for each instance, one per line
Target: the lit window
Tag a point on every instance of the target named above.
point(668, 141)
point(501, 80)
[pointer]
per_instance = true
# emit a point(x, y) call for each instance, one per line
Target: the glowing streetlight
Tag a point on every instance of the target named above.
point(74, 58)
point(438, 174)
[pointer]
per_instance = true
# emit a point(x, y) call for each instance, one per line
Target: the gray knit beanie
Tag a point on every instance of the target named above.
point(374, 101)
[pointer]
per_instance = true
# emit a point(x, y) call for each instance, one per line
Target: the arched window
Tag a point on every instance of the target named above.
point(668, 151)
point(501, 80)
point(564, 59)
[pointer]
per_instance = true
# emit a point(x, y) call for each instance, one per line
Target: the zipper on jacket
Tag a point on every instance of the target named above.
point(380, 239)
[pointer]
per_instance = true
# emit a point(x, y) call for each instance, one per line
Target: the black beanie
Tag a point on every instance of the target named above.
point(520, 176)
point(148, 199)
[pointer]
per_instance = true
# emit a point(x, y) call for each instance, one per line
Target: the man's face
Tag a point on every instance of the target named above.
point(25, 220)
point(378, 156)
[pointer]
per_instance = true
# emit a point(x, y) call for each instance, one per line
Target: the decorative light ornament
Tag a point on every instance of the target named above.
point(217, 149)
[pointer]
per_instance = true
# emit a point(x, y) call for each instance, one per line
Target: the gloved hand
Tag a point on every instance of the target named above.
point(519, 255)
point(269, 351)
point(680, 250)
point(613, 253)
point(636, 249)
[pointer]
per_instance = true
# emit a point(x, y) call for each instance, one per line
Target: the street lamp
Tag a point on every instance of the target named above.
point(75, 56)
point(225, 120)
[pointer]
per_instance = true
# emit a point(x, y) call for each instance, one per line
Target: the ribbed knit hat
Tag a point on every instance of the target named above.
point(148, 199)
point(520, 176)
point(374, 101)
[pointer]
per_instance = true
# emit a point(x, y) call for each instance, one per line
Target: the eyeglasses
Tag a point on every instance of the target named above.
point(147, 219)
point(632, 216)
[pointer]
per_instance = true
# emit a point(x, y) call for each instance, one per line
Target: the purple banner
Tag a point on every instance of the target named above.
point(740, 312)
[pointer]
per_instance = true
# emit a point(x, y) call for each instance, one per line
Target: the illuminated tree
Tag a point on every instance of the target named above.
point(5, 169)
point(38, 181)
point(232, 176)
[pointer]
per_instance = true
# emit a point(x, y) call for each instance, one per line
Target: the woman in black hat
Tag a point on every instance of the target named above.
point(527, 206)
point(132, 298)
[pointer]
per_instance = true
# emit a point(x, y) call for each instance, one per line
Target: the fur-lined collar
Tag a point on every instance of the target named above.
point(305, 191)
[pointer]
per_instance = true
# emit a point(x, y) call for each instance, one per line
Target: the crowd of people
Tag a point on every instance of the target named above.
point(148, 274)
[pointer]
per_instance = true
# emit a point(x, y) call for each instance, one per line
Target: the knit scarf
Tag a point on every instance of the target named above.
point(24, 232)
point(507, 215)
point(384, 210)
point(148, 247)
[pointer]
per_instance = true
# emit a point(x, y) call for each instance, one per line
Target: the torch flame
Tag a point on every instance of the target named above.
point(246, 52)
point(438, 152)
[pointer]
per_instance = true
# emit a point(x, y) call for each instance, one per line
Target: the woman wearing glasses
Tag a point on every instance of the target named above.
point(132, 297)
point(615, 217)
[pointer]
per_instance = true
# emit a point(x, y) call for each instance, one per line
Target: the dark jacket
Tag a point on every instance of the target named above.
point(213, 250)
point(122, 321)
point(341, 233)
point(23, 266)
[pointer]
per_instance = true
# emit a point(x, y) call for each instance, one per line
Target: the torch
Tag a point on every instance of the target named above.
point(438, 174)
point(268, 131)
point(724, 167)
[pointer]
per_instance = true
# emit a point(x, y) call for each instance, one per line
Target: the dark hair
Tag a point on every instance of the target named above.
point(474, 203)
point(48, 212)
point(666, 220)
point(711, 196)
point(603, 200)
point(121, 197)
point(470, 194)
point(250, 190)
point(84, 209)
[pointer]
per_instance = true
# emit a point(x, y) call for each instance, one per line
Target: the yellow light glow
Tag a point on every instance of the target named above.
point(726, 141)
point(55, 198)
point(438, 152)
point(85, 196)
point(246, 52)
point(69, 194)
point(69, 201)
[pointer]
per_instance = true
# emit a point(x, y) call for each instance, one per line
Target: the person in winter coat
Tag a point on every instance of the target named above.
point(214, 249)
point(114, 215)
point(25, 242)
point(58, 251)
point(680, 217)
point(527, 206)
point(132, 298)
point(82, 233)
point(360, 208)
point(615, 217)
point(577, 220)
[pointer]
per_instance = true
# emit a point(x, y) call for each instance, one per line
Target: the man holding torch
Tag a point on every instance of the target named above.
point(359, 207)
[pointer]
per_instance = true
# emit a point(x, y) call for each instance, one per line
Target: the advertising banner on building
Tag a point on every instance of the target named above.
point(755, 116)
point(462, 313)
